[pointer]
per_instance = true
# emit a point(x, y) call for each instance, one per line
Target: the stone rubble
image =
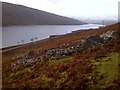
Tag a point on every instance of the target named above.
point(59, 51)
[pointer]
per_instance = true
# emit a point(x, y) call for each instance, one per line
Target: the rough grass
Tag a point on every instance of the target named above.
point(106, 70)
point(64, 59)
point(73, 71)
point(91, 70)
point(67, 72)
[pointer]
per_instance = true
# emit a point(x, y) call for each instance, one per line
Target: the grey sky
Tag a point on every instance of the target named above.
point(100, 9)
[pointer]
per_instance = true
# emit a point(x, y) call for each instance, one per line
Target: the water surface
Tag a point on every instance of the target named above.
point(13, 34)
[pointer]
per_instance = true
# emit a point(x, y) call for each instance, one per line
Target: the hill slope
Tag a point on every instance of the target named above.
point(92, 65)
point(21, 15)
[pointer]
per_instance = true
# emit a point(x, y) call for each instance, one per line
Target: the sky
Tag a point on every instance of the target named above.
point(91, 9)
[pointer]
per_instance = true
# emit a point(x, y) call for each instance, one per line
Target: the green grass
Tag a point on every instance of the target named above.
point(106, 69)
point(64, 59)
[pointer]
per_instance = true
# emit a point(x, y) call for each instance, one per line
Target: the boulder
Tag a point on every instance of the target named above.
point(108, 35)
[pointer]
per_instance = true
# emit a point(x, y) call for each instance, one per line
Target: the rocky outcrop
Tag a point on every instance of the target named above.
point(79, 45)
point(108, 35)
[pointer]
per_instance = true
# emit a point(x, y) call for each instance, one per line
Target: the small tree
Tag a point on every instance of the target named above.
point(32, 39)
point(22, 42)
point(35, 38)
point(18, 43)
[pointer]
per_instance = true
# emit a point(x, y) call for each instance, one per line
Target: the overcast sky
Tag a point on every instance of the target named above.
point(104, 9)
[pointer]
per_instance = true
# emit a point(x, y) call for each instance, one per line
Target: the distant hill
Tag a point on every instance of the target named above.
point(102, 22)
point(99, 21)
point(21, 15)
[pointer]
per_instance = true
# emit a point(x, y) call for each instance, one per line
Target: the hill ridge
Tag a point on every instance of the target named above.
point(22, 15)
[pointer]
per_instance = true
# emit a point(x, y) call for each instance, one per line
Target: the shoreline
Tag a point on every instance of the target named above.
point(71, 28)
point(73, 33)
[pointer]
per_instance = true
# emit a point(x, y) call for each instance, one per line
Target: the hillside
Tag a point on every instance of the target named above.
point(20, 15)
point(83, 59)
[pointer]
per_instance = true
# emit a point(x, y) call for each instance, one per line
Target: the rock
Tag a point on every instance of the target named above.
point(69, 48)
point(95, 39)
point(108, 35)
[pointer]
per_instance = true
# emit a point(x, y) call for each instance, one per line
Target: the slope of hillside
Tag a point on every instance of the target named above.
point(88, 60)
point(20, 15)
